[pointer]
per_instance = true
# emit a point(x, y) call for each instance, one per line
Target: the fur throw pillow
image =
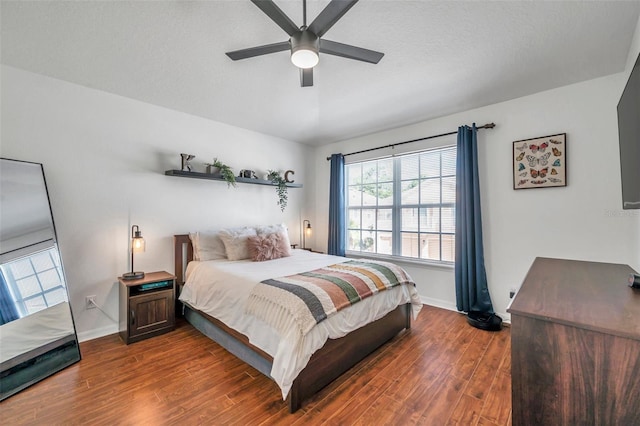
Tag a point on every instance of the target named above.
point(268, 247)
point(276, 229)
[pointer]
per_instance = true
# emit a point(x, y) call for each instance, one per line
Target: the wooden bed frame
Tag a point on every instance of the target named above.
point(326, 364)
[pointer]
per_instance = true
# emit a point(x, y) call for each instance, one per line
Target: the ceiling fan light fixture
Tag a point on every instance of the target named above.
point(304, 49)
point(304, 42)
point(304, 58)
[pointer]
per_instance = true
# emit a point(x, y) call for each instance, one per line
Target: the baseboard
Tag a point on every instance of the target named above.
point(83, 336)
point(444, 304)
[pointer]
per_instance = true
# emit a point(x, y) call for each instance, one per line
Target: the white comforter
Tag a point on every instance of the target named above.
point(221, 288)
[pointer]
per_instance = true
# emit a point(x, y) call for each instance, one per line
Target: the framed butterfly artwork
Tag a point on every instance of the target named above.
point(540, 162)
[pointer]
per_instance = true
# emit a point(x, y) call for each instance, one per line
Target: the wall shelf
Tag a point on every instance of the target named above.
point(209, 176)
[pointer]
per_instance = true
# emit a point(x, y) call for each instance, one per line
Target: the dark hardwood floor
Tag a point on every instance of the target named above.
point(441, 372)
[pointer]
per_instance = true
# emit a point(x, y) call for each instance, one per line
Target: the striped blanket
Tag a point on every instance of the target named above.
point(305, 299)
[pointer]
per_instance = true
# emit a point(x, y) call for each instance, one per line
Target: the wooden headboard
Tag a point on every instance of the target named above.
point(183, 252)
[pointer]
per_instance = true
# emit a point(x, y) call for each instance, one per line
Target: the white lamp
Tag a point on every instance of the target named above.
point(304, 49)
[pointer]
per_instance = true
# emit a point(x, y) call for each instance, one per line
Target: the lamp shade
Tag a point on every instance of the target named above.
point(137, 243)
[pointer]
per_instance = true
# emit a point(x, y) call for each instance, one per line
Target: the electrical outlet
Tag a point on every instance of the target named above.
point(90, 302)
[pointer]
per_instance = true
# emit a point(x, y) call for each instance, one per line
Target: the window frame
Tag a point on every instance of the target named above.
point(397, 207)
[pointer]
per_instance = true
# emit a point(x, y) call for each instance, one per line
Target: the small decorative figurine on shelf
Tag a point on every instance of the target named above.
point(286, 176)
point(186, 165)
point(249, 174)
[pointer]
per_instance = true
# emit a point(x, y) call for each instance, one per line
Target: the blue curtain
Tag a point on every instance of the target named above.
point(8, 311)
point(337, 214)
point(472, 293)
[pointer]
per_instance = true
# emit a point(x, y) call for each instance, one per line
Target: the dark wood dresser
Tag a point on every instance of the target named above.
point(575, 336)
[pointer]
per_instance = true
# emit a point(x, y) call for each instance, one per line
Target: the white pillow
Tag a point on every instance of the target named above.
point(280, 228)
point(193, 236)
point(235, 242)
point(207, 246)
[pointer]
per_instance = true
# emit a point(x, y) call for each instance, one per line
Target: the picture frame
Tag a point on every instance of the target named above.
point(540, 162)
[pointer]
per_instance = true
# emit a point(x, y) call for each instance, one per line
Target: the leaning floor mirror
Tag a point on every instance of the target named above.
point(37, 333)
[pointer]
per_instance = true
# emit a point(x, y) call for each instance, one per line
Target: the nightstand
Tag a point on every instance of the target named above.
point(147, 306)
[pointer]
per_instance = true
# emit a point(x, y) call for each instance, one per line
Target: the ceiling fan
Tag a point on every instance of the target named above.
point(306, 42)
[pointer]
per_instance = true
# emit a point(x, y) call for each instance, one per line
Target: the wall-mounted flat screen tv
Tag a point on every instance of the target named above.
point(629, 135)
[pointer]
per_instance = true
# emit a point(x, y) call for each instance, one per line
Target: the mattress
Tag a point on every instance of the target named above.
point(221, 288)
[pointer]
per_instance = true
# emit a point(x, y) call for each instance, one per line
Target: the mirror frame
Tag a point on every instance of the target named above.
point(32, 366)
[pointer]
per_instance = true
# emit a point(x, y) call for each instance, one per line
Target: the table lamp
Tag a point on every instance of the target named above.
point(306, 231)
point(137, 246)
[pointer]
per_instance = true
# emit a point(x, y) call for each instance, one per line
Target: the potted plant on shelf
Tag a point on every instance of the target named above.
point(218, 168)
point(281, 187)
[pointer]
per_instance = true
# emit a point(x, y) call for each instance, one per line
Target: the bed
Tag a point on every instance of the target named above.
point(299, 367)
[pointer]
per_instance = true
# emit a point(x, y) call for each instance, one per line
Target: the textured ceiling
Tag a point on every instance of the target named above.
point(441, 57)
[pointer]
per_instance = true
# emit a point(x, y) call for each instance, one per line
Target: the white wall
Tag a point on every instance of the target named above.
point(582, 221)
point(104, 159)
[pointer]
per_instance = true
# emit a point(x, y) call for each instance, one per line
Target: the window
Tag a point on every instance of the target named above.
point(35, 281)
point(403, 206)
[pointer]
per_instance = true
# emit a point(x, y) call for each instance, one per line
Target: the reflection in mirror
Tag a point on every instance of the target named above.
point(37, 334)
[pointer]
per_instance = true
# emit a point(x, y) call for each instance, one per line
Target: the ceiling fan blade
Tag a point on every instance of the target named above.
point(277, 15)
point(306, 77)
point(351, 52)
point(330, 15)
point(259, 50)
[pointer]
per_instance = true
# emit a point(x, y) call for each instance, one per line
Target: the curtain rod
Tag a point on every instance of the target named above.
point(486, 126)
